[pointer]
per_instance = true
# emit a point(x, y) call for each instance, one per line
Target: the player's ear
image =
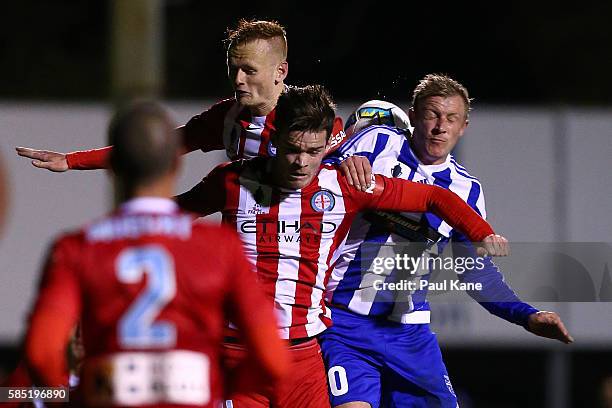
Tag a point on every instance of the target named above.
point(281, 72)
point(465, 125)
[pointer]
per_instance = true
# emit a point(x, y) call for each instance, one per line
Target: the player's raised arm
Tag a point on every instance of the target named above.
point(401, 195)
point(55, 314)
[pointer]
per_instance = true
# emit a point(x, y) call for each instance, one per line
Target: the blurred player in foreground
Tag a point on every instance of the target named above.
point(242, 126)
point(152, 290)
point(293, 215)
point(381, 345)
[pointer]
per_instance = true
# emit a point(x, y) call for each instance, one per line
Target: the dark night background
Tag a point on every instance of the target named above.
point(527, 53)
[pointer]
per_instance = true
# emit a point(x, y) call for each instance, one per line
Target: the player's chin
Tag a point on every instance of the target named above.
point(298, 182)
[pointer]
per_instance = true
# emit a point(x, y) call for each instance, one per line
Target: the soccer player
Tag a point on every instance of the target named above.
point(151, 289)
point(407, 367)
point(242, 125)
point(293, 216)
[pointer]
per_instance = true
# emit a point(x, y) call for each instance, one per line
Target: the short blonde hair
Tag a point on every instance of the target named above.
point(250, 30)
point(440, 85)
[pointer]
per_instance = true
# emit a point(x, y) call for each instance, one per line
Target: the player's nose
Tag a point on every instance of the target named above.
point(238, 77)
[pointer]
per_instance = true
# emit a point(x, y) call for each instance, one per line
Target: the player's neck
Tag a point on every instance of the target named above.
point(162, 188)
point(266, 108)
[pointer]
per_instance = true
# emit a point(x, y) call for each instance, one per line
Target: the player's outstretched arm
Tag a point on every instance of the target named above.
point(402, 195)
point(549, 325)
point(45, 159)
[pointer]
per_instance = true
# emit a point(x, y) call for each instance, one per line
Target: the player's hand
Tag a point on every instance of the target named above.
point(358, 172)
point(45, 159)
point(550, 325)
point(494, 245)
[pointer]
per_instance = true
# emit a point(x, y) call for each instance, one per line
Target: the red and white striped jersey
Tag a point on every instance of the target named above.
point(293, 237)
point(227, 125)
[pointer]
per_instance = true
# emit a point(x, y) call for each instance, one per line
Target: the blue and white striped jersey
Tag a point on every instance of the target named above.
point(389, 153)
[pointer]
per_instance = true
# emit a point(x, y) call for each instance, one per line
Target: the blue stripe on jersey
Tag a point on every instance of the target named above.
point(442, 179)
point(381, 143)
point(463, 173)
point(352, 277)
point(355, 138)
point(473, 196)
point(407, 158)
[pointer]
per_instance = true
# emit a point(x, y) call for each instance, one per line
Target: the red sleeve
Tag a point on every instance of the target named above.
point(55, 314)
point(392, 194)
point(337, 138)
point(210, 195)
point(205, 131)
point(89, 159)
point(253, 313)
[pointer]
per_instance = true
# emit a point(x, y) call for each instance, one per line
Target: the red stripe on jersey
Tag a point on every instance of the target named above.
point(310, 243)
point(266, 132)
point(232, 198)
point(267, 248)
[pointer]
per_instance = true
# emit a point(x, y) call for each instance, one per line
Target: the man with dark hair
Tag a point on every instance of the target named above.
point(293, 215)
point(150, 288)
point(407, 369)
point(242, 126)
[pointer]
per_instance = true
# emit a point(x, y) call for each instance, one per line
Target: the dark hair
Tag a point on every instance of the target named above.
point(307, 108)
point(145, 145)
point(250, 30)
point(439, 85)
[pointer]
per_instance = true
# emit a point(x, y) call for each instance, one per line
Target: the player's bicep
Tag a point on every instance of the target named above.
point(206, 197)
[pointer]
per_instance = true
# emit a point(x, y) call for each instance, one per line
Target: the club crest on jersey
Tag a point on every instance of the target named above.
point(322, 200)
point(271, 149)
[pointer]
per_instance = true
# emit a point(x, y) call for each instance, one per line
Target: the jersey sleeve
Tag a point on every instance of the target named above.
point(205, 131)
point(338, 136)
point(496, 296)
point(376, 143)
point(209, 195)
point(55, 314)
point(392, 194)
point(248, 307)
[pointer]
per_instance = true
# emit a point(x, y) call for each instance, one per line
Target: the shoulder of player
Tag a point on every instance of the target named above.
point(371, 134)
point(462, 172)
point(72, 240)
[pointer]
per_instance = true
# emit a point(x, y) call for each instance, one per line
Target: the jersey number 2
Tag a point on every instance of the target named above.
point(137, 327)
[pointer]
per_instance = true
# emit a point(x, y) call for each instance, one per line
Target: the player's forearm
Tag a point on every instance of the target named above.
point(89, 159)
point(496, 296)
point(99, 158)
point(415, 197)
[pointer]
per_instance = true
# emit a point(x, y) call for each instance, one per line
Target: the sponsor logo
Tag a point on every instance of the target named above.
point(322, 200)
point(447, 381)
point(397, 171)
point(336, 139)
point(284, 226)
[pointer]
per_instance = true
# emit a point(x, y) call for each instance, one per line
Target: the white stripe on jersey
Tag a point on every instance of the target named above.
point(328, 179)
point(289, 263)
